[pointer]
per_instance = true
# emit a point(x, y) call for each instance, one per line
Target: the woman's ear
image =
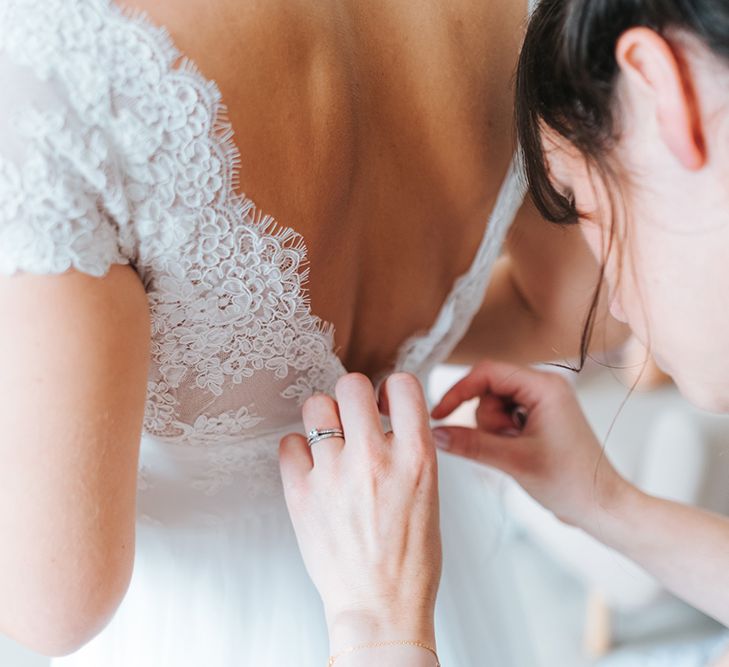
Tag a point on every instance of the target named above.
point(648, 61)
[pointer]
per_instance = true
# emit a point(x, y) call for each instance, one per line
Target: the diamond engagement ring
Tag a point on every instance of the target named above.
point(316, 435)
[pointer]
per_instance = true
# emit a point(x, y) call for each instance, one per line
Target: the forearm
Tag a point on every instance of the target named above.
point(685, 548)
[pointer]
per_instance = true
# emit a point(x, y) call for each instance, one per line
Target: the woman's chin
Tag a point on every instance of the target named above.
point(709, 398)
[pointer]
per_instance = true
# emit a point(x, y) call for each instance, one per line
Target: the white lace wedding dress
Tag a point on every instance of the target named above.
point(113, 149)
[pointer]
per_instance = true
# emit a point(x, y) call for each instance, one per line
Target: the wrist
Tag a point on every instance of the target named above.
point(354, 627)
point(612, 520)
point(388, 656)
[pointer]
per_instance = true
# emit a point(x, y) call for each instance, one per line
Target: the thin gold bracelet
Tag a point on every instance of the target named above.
point(352, 649)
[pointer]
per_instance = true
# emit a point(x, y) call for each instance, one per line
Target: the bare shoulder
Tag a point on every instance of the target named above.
point(207, 29)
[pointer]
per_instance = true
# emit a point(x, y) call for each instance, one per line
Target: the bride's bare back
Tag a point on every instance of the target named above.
point(380, 132)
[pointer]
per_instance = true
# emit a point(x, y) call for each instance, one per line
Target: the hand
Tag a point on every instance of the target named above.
point(549, 448)
point(365, 511)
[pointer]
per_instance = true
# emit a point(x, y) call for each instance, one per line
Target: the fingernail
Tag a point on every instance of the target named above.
point(442, 439)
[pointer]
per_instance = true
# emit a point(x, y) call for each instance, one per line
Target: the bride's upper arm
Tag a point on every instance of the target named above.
point(556, 273)
point(75, 352)
point(539, 298)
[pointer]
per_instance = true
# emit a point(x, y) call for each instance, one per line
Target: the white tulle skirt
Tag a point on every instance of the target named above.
point(218, 581)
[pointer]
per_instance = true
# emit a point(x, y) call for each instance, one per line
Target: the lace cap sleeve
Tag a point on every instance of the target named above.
point(61, 197)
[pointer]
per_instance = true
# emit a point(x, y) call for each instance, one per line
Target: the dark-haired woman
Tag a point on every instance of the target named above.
point(623, 113)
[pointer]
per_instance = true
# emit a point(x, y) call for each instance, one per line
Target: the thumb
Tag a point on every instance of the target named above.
point(487, 448)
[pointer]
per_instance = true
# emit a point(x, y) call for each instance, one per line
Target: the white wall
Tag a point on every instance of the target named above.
point(13, 655)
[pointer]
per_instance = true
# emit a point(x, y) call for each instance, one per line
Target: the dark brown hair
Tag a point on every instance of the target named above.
point(566, 81)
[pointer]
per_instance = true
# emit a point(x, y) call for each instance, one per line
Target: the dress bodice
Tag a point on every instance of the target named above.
point(115, 149)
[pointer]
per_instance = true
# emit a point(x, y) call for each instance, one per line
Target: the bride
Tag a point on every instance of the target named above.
point(162, 331)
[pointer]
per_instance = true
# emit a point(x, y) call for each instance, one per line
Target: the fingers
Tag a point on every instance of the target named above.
point(523, 386)
point(294, 459)
point(493, 450)
point(320, 412)
point(358, 409)
point(495, 415)
point(407, 408)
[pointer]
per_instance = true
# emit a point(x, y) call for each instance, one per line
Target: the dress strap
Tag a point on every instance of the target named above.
point(421, 353)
